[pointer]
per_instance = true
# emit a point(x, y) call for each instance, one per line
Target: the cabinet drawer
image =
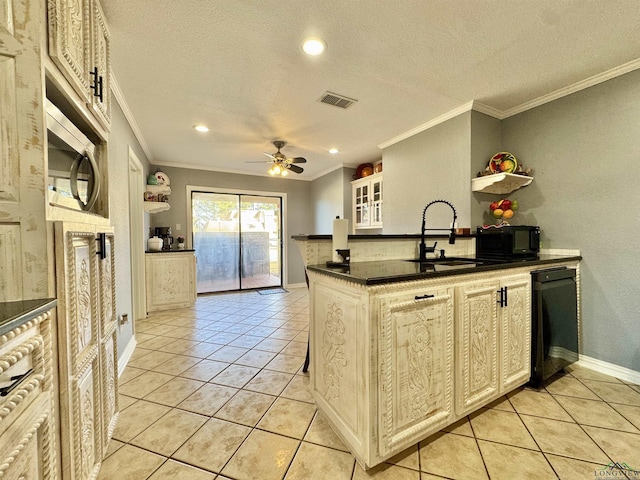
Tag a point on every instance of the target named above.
point(26, 465)
point(26, 449)
point(21, 375)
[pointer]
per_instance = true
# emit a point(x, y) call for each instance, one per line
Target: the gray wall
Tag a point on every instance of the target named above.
point(120, 139)
point(486, 140)
point(331, 197)
point(585, 151)
point(299, 211)
point(434, 164)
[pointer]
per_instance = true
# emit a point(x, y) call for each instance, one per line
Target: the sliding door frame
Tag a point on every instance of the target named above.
point(234, 191)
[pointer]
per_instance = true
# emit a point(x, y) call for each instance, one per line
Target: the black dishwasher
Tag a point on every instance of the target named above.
point(554, 318)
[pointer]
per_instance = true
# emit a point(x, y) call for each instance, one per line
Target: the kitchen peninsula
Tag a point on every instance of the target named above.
point(401, 349)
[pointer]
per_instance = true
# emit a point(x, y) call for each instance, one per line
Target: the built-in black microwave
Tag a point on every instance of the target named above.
point(73, 173)
point(507, 241)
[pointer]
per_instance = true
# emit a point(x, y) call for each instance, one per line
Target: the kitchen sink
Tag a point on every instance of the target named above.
point(449, 261)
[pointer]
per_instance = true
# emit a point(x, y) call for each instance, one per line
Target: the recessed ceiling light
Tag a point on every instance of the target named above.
point(313, 46)
point(201, 128)
point(333, 151)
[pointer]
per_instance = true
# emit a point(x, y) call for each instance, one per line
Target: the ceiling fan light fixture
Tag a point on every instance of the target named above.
point(201, 128)
point(313, 46)
point(278, 170)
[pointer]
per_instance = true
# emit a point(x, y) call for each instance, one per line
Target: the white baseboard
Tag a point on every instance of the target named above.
point(563, 353)
point(296, 285)
point(126, 355)
point(623, 373)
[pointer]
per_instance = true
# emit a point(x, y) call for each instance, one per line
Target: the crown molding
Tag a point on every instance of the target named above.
point(502, 114)
point(119, 96)
point(487, 110)
point(426, 126)
point(576, 87)
point(327, 171)
point(206, 168)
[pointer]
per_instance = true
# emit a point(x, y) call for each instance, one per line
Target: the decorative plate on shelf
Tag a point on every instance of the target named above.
point(503, 162)
point(366, 171)
point(361, 168)
point(163, 179)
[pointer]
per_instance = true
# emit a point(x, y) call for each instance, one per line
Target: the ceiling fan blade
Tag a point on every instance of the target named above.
point(268, 154)
point(298, 160)
point(296, 169)
point(261, 161)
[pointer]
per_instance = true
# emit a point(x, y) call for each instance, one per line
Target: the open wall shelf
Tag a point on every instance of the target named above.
point(501, 183)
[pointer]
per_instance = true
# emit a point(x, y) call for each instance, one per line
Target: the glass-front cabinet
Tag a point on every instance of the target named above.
point(367, 201)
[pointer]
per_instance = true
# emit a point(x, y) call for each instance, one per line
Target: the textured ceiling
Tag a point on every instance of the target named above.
point(236, 65)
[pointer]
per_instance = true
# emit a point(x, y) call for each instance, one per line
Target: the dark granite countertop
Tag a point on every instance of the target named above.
point(399, 236)
point(391, 271)
point(171, 251)
point(14, 314)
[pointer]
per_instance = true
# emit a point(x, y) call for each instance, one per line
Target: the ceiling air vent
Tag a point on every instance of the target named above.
point(336, 100)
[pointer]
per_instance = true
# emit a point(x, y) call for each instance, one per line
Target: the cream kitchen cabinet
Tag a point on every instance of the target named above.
point(493, 336)
point(392, 363)
point(24, 265)
point(87, 346)
point(79, 45)
point(367, 201)
point(416, 365)
point(170, 280)
point(515, 332)
point(27, 405)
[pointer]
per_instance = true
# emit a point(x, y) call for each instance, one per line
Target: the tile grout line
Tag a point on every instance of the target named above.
point(532, 436)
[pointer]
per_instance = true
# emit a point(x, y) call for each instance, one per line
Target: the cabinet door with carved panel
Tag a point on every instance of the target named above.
point(415, 357)
point(70, 39)
point(79, 45)
point(78, 348)
point(87, 345)
point(108, 340)
point(170, 280)
point(515, 322)
point(23, 228)
point(101, 103)
point(477, 335)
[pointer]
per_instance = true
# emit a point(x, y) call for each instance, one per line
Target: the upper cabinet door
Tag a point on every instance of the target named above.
point(79, 45)
point(70, 42)
point(23, 239)
point(101, 104)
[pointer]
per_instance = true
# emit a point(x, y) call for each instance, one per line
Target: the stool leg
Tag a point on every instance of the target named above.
point(305, 367)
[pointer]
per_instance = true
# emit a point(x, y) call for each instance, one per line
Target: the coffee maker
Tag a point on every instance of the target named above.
point(165, 234)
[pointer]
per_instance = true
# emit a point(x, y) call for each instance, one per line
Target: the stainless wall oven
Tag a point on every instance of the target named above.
point(73, 173)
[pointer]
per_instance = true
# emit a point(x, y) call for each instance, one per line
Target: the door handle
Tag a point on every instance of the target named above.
point(503, 297)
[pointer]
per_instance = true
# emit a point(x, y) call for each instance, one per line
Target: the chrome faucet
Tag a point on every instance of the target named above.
point(452, 235)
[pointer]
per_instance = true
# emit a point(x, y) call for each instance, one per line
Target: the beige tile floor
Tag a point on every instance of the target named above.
point(217, 391)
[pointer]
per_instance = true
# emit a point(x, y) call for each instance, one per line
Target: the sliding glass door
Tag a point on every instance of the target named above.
point(238, 241)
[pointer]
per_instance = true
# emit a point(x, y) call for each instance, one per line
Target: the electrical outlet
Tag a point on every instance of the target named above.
point(178, 227)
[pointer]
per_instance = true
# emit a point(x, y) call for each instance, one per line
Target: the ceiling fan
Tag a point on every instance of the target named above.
point(280, 163)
